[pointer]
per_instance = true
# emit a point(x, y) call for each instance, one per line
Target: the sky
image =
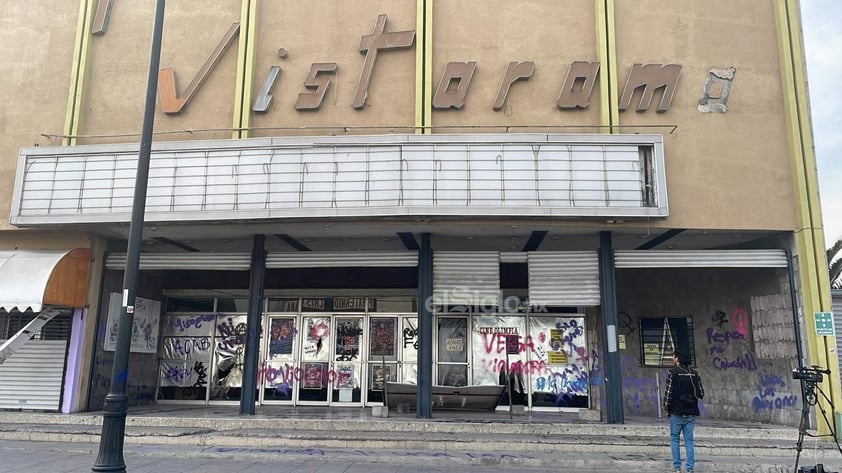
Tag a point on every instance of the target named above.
point(822, 25)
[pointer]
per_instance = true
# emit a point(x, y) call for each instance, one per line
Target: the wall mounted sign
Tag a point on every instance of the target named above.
point(502, 175)
point(452, 88)
point(824, 323)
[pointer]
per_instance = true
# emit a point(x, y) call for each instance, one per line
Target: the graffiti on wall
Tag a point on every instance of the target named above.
point(727, 342)
point(772, 393)
point(624, 322)
point(189, 325)
point(640, 387)
point(724, 348)
point(140, 387)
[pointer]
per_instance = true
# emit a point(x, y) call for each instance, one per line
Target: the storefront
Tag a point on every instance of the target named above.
point(41, 320)
point(341, 350)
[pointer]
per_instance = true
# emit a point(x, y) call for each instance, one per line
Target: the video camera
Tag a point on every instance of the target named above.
point(813, 374)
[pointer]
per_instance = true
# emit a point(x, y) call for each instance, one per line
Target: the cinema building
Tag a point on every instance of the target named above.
point(414, 195)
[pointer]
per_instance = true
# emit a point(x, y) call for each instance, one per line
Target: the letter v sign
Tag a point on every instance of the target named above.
point(167, 88)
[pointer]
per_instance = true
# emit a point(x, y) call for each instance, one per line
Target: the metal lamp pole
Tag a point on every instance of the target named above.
point(110, 458)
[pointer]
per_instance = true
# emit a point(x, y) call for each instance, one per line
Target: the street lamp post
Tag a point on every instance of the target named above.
point(110, 458)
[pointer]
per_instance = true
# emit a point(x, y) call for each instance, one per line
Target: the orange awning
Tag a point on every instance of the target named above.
point(32, 279)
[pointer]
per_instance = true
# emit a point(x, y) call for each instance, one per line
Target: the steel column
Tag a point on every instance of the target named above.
point(611, 354)
point(253, 322)
point(425, 329)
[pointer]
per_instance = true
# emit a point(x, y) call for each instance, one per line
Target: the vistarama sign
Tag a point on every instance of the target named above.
point(452, 88)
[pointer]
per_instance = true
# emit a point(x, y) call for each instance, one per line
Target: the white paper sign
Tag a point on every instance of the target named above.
point(145, 329)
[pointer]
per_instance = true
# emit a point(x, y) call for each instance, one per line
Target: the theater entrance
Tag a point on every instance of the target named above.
point(338, 359)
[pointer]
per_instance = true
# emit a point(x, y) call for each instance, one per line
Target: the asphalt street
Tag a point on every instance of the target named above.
point(59, 457)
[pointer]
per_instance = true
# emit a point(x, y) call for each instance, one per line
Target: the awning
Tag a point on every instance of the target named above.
point(32, 279)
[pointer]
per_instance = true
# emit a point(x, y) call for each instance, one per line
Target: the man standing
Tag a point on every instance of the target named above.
point(681, 402)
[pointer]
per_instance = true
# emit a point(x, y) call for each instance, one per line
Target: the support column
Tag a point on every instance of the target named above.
point(253, 322)
point(610, 353)
point(425, 329)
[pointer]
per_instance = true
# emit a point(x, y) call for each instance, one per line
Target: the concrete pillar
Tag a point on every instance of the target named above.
point(425, 329)
point(611, 352)
point(253, 323)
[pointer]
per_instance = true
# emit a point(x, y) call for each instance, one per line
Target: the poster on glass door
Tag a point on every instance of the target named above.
point(490, 336)
point(560, 375)
point(316, 338)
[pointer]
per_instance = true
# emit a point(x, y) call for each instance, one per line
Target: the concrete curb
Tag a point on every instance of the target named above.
point(574, 462)
point(472, 443)
point(403, 425)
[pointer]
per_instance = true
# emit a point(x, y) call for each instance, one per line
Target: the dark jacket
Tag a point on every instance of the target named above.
point(684, 389)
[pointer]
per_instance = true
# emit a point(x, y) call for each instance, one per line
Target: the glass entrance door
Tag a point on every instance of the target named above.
point(277, 375)
point(347, 371)
point(392, 354)
point(560, 352)
point(382, 355)
point(408, 362)
point(331, 360)
point(452, 350)
point(315, 359)
point(230, 344)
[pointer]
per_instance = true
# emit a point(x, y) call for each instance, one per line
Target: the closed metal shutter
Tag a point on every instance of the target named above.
point(242, 261)
point(563, 278)
point(313, 259)
point(31, 378)
point(700, 259)
point(202, 261)
point(466, 278)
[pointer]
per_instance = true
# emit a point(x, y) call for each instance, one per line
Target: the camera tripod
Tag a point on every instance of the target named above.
point(810, 389)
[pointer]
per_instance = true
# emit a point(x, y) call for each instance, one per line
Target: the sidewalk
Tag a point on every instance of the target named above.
point(536, 440)
point(49, 457)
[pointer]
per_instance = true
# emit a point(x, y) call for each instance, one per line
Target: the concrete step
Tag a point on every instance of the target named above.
point(501, 442)
point(280, 436)
point(409, 423)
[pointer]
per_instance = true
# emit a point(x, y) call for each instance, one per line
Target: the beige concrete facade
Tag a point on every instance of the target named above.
point(119, 61)
point(37, 40)
point(709, 155)
point(551, 34)
point(729, 172)
point(317, 32)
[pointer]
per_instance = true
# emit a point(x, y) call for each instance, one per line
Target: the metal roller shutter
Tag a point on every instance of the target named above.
point(466, 278)
point(312, 259)
point(204, 261)
point(563, 278)
point(31, 379)
point(700, 259)
point(242, 261)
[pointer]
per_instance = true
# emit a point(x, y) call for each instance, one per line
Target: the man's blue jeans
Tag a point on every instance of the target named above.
point(682, 425)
